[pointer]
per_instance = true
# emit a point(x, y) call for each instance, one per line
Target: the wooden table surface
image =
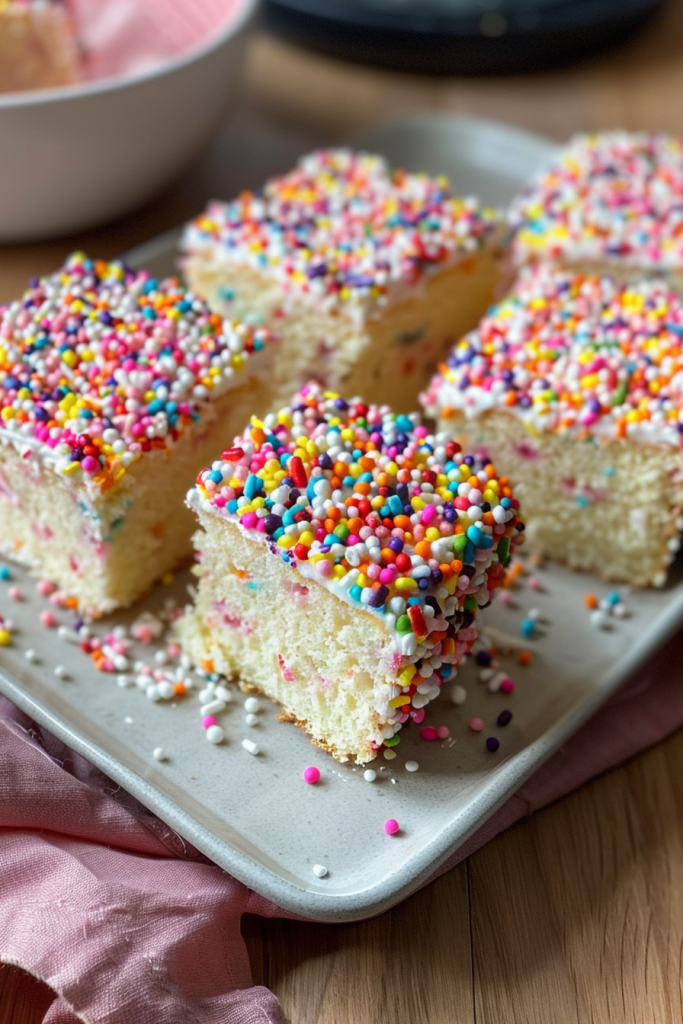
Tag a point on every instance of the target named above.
point(575, 915)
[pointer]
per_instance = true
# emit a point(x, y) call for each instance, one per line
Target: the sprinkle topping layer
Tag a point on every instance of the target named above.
point(100, 364)
point(567, 352)
point(344, 227)
point(609, 196)
point(372, 504)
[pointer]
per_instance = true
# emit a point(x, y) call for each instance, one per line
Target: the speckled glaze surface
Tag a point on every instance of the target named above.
point(254, 815)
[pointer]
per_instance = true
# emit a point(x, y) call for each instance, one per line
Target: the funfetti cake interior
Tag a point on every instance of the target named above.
point(368, 275)
point(608, 203)
point(114, 390)
point(38, 47)
point(343, 555)
point(575, 385)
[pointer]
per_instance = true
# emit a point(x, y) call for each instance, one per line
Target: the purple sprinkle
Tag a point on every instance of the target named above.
point(505, 717)
point(492, 744)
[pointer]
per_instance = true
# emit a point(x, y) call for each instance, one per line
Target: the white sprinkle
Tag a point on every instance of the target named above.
point(61, 672)
point(152, 692)
point(123, 681)
point(165, 689)
point(224, 694)
point(161, 658)
point(319, 870)
point(213, 707)
point(412, 766)
point(143, 681)
point(30, 654)
point(389, 754)
point(620, 611)
point(458, 694)
point(64, 633)
point(159, 754)
point(252, 705)
point(251, 720)
point(533, 614)
point(206, 694)
point(252, 747)
point(369, 775)
point(495, 683)
point(120, 662)
point(215, 734)
point(128, 720)
point(599, 620)
point(485, 674)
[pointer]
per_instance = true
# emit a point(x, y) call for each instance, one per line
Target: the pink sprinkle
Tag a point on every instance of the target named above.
point(311, 774)
point(534, 583)
point(47, 618)
point(429, 733)
point(249, 520)
point(324, 568)
point(391, 826)
point(504, 597)
point(45, 588)
point(476, 724)
point(443, 732)
point(15, 593)
point(428, 514)
point(208, 721)
point(507, 686)
point(174, 650)
point(90, 464)
point(418, 716)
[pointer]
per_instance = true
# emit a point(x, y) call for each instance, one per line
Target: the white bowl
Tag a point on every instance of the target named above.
point(75, 157)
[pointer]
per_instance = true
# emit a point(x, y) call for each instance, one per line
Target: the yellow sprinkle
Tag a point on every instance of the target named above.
point(406, 583)
point(5, 638)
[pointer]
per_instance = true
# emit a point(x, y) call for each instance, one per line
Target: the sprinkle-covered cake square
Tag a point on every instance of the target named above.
point(114, 390)
point(344, 552)
point(368, 275)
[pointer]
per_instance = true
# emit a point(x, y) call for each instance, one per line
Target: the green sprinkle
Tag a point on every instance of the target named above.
point(393, 741)
point(503, 550)
point(404, 625)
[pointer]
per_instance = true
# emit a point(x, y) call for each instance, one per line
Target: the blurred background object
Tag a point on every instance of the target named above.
point(470, 37)
point(158, 77)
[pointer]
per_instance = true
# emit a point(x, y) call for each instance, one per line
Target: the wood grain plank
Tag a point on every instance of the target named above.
point(23, 999)
point(412, 965)
point(581, 906)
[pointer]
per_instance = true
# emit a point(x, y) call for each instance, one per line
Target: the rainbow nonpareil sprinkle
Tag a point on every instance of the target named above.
point(571, 353)
point(100, 364)
point(609, 197)
point(344, 228)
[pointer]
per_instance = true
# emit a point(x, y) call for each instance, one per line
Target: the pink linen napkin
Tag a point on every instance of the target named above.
point(128, 923)
point(132, 36)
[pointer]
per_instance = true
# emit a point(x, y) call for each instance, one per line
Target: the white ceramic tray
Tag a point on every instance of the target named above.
point(254, 815)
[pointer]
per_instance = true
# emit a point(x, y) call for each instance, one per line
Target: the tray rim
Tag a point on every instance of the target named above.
point(425, 863)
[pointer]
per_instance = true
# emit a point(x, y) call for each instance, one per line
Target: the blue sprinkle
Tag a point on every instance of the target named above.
point(582, 501)
point(609, 471)
point(5, 573)
point(505, 502)
point(614, 598)
point(468, 556)
point(395, 505)
point(227, 294)
point(475, 535)
point(216, 476)
point(232, 506)
point(527, 628)
point(403, 423)
point(252, 486)
point(355, 592)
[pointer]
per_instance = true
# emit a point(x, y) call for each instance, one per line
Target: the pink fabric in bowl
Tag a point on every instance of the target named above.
point(125, 37)
point(129, 924)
